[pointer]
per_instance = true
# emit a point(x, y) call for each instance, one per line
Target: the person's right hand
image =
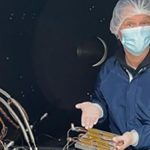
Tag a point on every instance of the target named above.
point(90, 114)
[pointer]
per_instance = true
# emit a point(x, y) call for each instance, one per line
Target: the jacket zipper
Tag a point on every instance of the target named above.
point(131, 76)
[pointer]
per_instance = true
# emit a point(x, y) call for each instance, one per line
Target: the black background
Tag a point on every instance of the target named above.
point(38, 60)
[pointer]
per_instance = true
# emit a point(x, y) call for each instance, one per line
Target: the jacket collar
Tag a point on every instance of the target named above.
point(120, 55)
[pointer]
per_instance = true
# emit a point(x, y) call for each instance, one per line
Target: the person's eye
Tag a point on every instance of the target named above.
point(130, 25)
point(145, 23)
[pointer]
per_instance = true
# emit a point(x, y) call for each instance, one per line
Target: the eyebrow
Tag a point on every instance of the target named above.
point(146, 17)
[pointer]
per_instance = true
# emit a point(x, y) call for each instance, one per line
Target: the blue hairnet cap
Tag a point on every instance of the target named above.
point(125, 9)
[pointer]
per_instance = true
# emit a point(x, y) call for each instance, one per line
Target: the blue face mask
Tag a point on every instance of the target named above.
point(136, 40)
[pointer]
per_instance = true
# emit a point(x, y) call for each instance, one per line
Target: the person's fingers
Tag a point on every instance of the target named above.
point(89, 115)
point(83, 105)
point(79, 105)
point(87, 122)
point(119, 140)
point(95, 120)
point(91, 122)
point(83, 119)
point(121, 147)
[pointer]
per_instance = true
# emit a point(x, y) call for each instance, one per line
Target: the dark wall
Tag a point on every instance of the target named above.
point(39, 62)
point(62, 76)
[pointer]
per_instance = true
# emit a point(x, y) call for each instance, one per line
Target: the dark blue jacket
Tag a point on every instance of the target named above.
point(125, 101)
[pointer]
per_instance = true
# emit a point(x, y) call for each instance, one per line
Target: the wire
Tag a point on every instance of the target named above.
point(72, 140)
point(14, 115)
point(25, 120)
point(2, 144)
point(24, 116)
point(8, 118)
point(3, 130)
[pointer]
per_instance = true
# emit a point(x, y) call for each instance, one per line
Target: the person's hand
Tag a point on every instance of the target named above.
point(124, 141)
point(90, 114)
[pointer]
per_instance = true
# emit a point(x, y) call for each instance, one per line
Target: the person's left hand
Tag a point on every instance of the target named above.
point(124, 141)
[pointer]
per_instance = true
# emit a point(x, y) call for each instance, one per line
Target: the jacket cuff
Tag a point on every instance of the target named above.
point(100, 109)
point(135, 137)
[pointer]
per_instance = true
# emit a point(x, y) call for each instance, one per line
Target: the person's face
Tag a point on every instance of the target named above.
point(134, 21)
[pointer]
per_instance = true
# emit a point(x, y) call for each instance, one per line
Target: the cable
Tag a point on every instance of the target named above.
point(72, 140)
point(17, 119)
point(2, 146)
point(19, 107)
point(8, 118)
point(25, 121)
point(3, 130)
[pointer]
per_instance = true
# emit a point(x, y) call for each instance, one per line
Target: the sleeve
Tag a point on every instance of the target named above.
point(144, 137)
point(143, 129)
point(98, 98)
point(135, 137)
point(100, 109)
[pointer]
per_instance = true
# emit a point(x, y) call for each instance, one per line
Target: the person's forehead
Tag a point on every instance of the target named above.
point(130, 12)
point(137, 18)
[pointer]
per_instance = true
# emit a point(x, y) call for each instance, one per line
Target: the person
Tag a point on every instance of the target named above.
point(122, 92)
